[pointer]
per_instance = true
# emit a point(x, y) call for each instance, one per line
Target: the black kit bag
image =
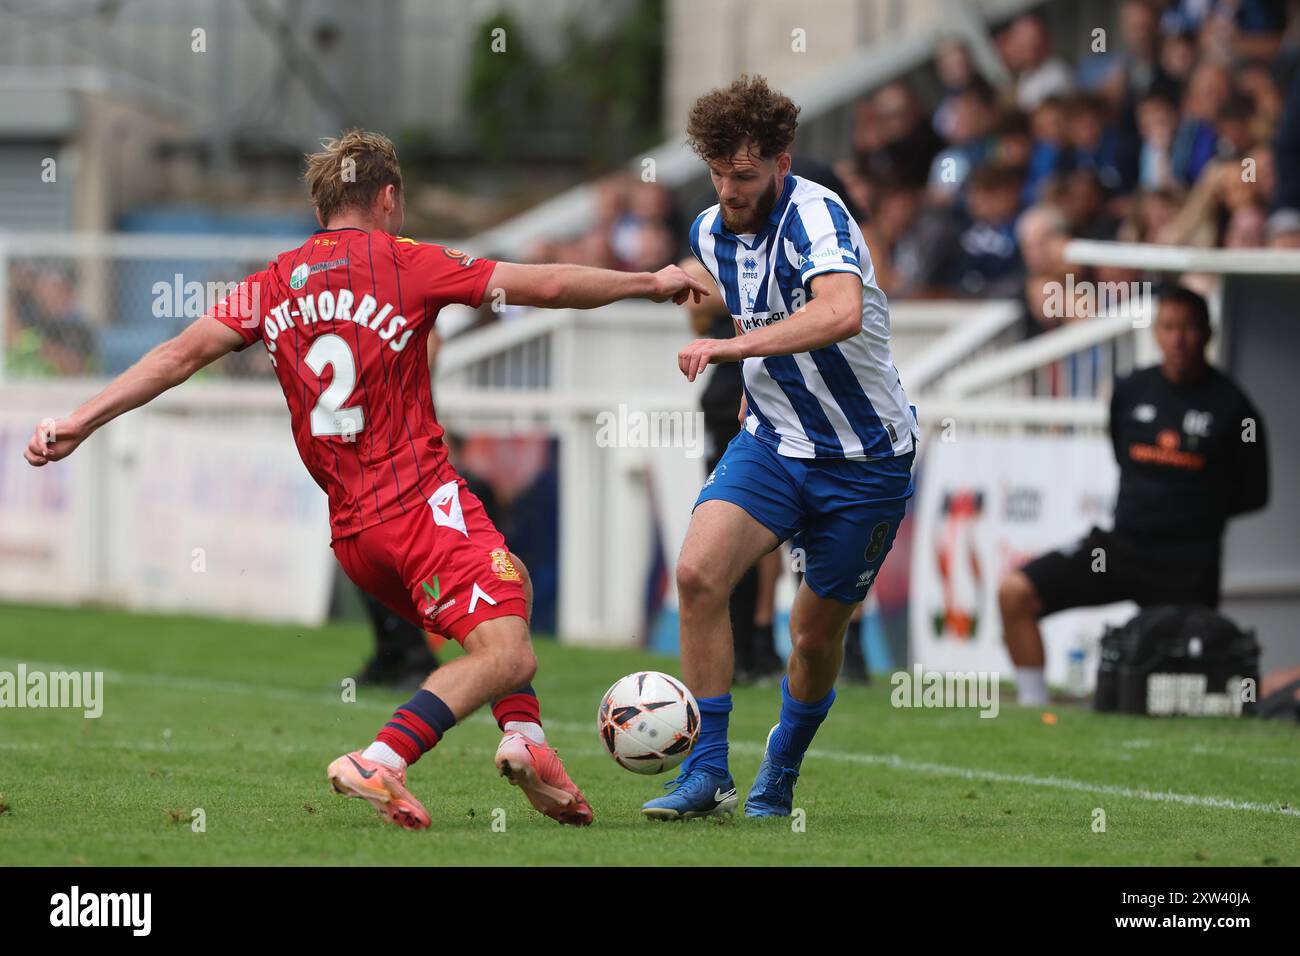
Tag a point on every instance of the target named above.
point(1178, 659)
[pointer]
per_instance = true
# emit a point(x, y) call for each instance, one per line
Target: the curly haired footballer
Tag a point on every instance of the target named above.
point(748, 110)
point(826, 448)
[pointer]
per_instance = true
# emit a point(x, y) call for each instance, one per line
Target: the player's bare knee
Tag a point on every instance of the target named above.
point(1010, 596)
point(522, 667)
point(812, 644)
point(504, 646)
point(1017, 596)
point(513, 660)
point(698, 581)
point(519, 655)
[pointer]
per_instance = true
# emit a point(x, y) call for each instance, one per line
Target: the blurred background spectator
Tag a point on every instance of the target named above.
point(48, 334)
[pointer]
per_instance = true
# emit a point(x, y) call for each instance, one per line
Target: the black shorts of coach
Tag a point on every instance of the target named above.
point(1149, 572)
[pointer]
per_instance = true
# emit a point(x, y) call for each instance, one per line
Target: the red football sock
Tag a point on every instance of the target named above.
point(521, 706)
point(417, 726)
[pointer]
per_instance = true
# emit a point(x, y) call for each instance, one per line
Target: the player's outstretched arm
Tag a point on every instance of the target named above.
point(169, 364)
point(833, 315)
point(559, 286)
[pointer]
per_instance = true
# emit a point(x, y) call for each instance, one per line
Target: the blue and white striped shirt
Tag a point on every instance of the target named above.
point(841, 401)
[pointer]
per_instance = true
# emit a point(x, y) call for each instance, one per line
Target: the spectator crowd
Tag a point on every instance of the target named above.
point(1180, 127)
point(1182, 130)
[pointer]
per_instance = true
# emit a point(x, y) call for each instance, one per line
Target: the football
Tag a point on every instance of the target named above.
point(648, 722)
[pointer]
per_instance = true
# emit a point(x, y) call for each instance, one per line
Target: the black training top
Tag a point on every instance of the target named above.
point(1190, 456)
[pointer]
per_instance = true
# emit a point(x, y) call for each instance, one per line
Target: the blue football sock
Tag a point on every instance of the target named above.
point(799, 722)
point(710, 750)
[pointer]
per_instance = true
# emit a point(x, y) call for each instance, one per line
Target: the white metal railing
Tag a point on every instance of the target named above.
point(1013, 414)
point(1032, 356)
point(517, 353)
point(982, 375)
point(968, 330)
point(1179, 259)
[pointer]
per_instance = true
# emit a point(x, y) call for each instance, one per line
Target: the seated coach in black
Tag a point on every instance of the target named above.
point(1191, 453)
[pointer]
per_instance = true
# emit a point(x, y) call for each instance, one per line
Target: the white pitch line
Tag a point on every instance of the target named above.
point(895, 762)
point(891, 761)
point(1058, 783)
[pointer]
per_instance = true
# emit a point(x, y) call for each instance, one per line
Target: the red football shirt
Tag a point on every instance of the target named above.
point(345, 319)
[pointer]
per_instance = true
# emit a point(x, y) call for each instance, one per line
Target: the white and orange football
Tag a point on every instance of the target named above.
point(648, 722)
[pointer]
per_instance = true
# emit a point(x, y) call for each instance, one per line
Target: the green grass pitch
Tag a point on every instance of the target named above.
point(241, 720)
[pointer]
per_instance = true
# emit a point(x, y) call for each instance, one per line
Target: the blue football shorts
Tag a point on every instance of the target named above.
point(840, 515)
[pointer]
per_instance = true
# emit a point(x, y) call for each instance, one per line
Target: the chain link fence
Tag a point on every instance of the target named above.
point(90, 305)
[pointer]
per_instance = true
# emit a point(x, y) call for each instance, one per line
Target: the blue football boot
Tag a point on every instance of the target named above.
point(773, 792)
point(696, 793)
